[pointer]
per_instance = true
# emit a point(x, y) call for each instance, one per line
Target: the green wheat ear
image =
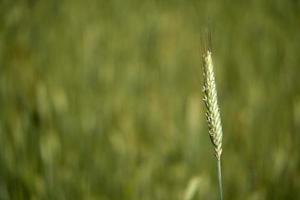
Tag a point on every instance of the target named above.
point(212, 112)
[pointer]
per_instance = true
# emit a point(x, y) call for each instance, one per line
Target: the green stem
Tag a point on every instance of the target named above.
point(220, 179)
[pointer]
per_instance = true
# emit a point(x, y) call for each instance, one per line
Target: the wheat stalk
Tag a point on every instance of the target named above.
point(212, 112)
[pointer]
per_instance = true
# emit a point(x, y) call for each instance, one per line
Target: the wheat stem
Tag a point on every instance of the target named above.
point(212, 112)
point(220, 179)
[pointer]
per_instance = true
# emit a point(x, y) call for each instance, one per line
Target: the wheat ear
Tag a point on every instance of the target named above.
point(212, 112)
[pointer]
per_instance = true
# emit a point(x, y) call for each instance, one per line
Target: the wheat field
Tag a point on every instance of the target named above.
point(102, 99)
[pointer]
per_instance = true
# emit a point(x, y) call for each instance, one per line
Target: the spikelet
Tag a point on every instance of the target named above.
point(211, 103)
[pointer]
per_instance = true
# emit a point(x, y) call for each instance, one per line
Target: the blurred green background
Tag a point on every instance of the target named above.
point(102, 99)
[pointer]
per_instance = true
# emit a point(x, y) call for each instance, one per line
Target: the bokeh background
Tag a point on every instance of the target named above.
point(102, 99)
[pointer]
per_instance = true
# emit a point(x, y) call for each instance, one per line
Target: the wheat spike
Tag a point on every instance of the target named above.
point(211, 103)
point(212, 112)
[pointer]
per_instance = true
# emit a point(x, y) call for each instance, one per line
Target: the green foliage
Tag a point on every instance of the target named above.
point(102, 99)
